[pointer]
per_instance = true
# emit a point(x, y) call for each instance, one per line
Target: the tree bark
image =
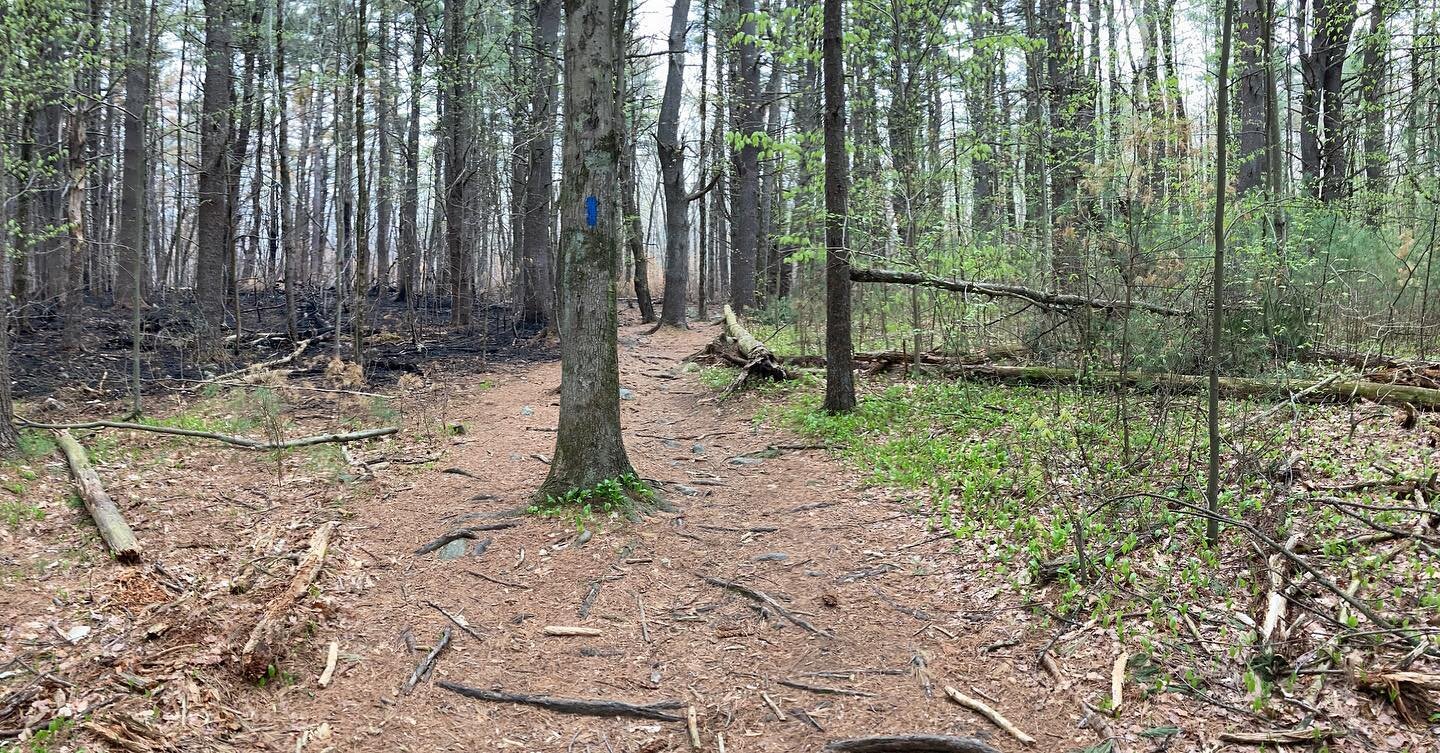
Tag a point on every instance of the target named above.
point(134, 178)
point(839, 363)
point(213, 216)
point(745, 220)
point(588, 445)
point(672, 174)
point(538, 278)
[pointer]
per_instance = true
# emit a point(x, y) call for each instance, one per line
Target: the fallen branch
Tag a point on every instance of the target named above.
point(467, 532)
point(909, 744)
point(768, 601)
point(254, 369)
point(1276, 602)
point(994, 716)
point(1279, 736)
point(426, 665)
point(659, 711)
point(113, 528)
point(1004, 290)
point(245, 442)
point(332, 655)
point(570, 631)
point(266, 641)
point(1337, 391)
point(824, 690)
point(457, 619)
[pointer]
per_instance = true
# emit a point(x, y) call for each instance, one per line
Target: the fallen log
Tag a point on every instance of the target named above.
point(909, 744)
point(266, 642)
point(659, 711)
point(113, 528)
point(899, 358)
point(759, 360)
point(1004, 290)
point(244, 442)
point(1279, 736)
point(1336, 391)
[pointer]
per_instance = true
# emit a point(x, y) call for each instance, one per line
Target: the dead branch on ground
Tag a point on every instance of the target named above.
point(659, 710)
point(113, 528)
point(266, 642)
point(245, 442)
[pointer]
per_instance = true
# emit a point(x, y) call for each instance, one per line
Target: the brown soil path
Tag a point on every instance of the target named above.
point(854, 563)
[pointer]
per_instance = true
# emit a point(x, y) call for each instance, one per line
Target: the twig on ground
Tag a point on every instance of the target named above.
point(457, 619)
point(768, 601)
point(426, 665)
point(823, 689)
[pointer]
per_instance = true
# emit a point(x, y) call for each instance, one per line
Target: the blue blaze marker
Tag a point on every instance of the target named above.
point(592, 211)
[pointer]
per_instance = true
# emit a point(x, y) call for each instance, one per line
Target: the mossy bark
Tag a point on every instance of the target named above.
point(588, 445)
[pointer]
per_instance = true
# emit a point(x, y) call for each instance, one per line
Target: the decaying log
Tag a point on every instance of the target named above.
point(113, 528)
point(759, 361)
point(1276, 601)
point(1004, 290)
point(1340, 391)
point(768, 601)
point(909, 744)
point(994, 716)
point(900, 359)
point(426, 665)
point(245, 442)
point(267, 638)
point(660, 711)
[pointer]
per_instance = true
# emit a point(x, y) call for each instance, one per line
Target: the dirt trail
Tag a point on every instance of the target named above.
point(856, 564)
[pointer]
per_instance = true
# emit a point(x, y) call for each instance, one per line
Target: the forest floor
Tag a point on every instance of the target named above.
point(99, 655)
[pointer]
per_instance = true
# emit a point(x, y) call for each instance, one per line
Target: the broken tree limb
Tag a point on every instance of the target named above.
point(467, 532)
point(1338, 391)
point(267, 638)
point(113, 528)
point(426, 665)
point(245, 442)
point(759, 361)
point(994, 716)
point(899, 358)
point(1276, 602)
point(768, 601)
point(254, 369)
point(909, 744)
point(659, 711)
point(1005, 290)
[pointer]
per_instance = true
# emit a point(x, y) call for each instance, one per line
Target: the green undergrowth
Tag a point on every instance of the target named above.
point(624, 496)
point(1084, 501)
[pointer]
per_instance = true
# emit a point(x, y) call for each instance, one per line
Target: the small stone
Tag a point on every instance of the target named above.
point(527, 411)
point(670, 444)
point(453, 551)
point(742, 460)
point(626, 394)
point(698, 449)
point(688, 491)
point(772, 557)
point(77, 633)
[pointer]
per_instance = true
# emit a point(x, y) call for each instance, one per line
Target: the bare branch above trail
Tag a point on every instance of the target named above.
point(1004, 290)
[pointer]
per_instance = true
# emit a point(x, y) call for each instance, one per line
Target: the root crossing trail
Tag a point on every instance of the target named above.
point(784, 603)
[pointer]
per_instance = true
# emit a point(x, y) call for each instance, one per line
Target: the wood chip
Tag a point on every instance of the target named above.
point(332, 655)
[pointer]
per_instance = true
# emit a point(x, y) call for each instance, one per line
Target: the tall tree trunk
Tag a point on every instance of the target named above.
point(134, 178)
point(630, 211)
point(538, 278)
point(1217, 301)
point(839, 360)
point(672, 173)
point(362, 186)
point(213, 216)
point(288, 231)
point(1253, 95)
point(745, 221)
point(410, 198)
point(588, 446)
point(384, 109)
point(457, 172)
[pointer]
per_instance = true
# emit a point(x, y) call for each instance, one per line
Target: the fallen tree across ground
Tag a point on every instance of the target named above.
point(1330, 390)
point(759, 361)
point(1005, 290)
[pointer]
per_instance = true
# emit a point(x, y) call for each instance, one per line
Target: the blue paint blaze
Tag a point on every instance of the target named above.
point(592, 211)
